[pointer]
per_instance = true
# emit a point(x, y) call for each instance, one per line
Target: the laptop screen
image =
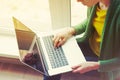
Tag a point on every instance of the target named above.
point(28, 51)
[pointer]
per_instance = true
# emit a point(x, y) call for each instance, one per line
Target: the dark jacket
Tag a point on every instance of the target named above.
point(110, 44)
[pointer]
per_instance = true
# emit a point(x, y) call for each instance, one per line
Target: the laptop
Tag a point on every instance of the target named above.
point(36, 50)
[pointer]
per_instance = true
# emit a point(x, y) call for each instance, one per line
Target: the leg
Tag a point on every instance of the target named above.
point(56, 77)
point(90, 56)
point(87, 52)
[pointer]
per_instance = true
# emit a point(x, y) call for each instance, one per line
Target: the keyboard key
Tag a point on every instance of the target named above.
point(56, 55)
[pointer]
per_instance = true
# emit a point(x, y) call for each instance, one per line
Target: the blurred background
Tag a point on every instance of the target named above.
point(41, 14)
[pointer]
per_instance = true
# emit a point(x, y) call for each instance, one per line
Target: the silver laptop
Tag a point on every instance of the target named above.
point(37, 51)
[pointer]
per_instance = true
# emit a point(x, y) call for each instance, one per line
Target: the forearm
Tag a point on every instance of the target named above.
point(71, 31)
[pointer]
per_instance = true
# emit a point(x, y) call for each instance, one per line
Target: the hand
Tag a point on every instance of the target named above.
point(85, 67)
point(60, 38)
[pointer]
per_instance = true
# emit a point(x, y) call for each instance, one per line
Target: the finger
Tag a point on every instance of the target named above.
point(61, 42)
point(79, 70)
point(56, 41)
point(76, 70)
point(54, 38)
point(75, 67)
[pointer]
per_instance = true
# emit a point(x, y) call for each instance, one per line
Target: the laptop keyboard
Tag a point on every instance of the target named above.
point(56, 55)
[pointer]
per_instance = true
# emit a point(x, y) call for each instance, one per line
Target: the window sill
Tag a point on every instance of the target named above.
point(8, 44)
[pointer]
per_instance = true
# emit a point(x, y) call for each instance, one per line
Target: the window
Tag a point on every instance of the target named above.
point(42, 15)
point(78, 12)
point(65, 13)
point(33, 13)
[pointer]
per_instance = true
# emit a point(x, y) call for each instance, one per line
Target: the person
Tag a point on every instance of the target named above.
point(101, 38)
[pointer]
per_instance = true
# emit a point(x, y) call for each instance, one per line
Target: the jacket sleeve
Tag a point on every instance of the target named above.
point(109, 65)
point(113, 63)
point(80, 28)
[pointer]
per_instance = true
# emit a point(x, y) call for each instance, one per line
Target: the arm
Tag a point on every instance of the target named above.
point(60, 38)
